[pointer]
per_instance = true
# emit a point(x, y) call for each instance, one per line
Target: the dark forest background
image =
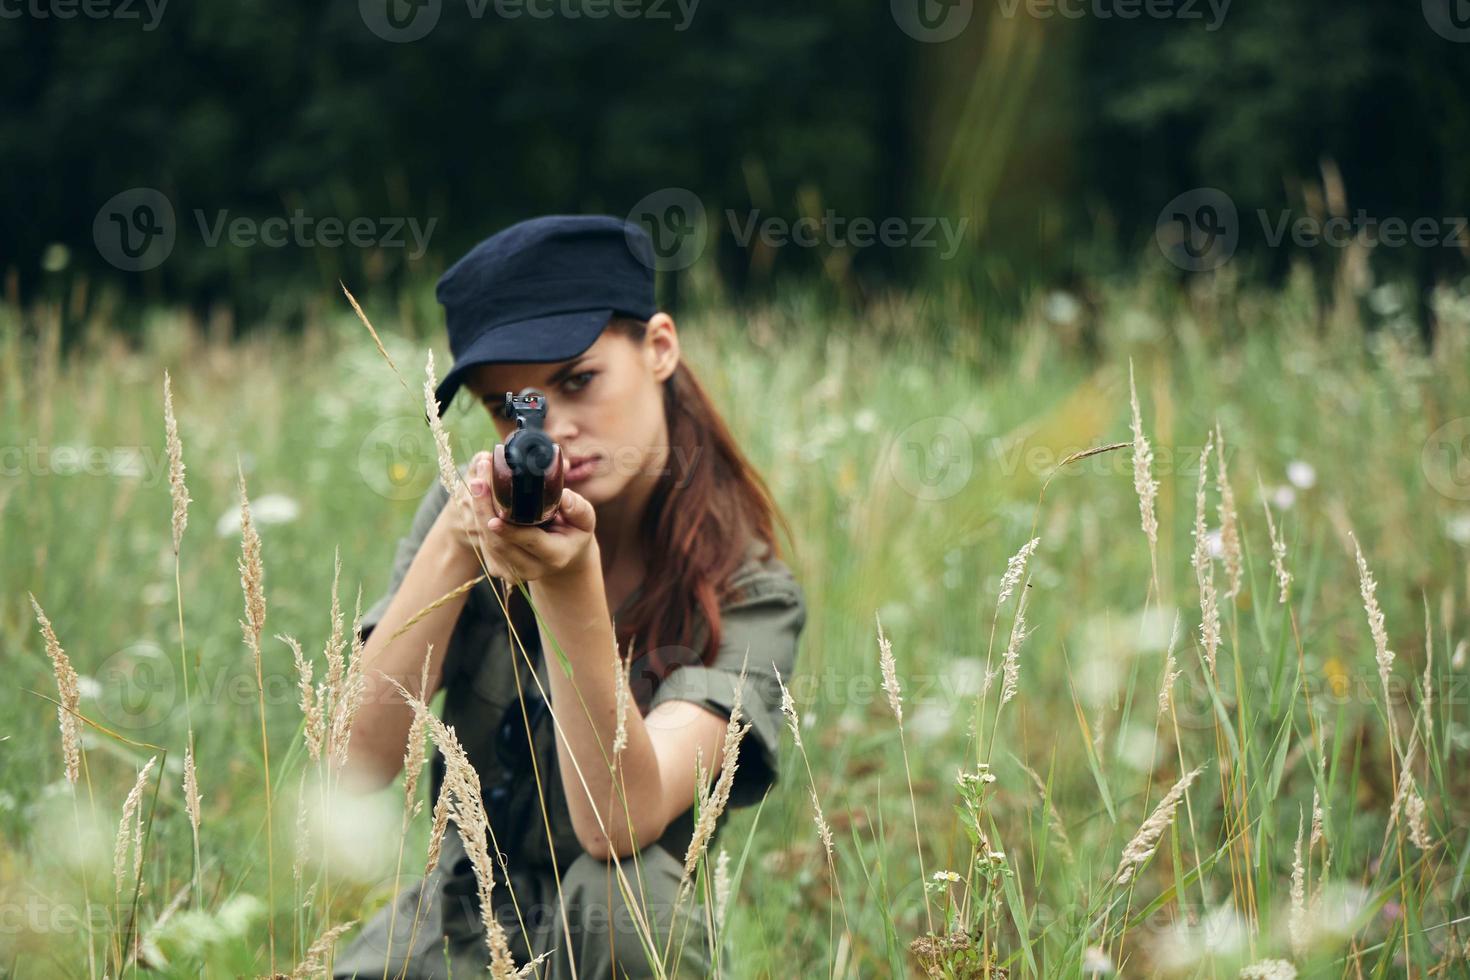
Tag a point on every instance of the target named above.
point(1057, 138)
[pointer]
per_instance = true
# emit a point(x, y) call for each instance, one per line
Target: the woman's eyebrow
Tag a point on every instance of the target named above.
point(565, 372)
point(561, 375)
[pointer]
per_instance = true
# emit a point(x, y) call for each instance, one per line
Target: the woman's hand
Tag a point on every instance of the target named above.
point(515, 552)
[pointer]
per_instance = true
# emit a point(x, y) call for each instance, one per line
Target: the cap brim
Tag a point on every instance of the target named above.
point(543, 340)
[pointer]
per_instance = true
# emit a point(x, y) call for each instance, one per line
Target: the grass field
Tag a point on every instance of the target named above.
point(1326, 827)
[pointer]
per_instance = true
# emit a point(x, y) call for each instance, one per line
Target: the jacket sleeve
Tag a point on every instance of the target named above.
point(760, 630)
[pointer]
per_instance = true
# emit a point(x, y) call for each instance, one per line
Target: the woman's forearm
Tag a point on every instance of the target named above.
point(573, 608)
point(380, 730)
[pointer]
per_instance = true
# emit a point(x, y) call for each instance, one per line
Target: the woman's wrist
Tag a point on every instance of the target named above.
point(455, 553)
point(583, 570)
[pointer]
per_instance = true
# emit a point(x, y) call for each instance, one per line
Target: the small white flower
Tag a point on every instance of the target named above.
point(965, 675)
point(930, 721)
point(866, 420)
point(1062, 308)
point(949, 876)
point(88, 687)
point(1303, 475)
point(1269, 970)
point(1385, 300)
point(1283, 497)
point(273, 508)
point(1215, 542)
point(1457, 528)
point(1096, 962)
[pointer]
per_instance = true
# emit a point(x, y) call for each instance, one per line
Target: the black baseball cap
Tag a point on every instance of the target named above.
point(543, 290)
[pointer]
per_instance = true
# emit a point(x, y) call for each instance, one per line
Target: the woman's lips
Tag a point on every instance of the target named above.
point(581, 468)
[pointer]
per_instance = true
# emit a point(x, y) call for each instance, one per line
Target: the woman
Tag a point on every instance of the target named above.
point(663, 545)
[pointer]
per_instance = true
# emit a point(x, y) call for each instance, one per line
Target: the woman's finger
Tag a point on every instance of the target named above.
point(577, 511)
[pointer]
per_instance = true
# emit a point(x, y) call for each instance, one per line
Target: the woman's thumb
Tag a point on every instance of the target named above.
point(577, 511)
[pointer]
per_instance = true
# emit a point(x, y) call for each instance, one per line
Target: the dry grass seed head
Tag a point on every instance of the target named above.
point(1142, 846)
point(1144, 484)
point(68, 692)
point(176, 487)
point(1204, 569)
point(713, 805)
point(448, 474)
point(347, 696)
point(1011, 662)
point(1015, 569)
point(252, 575)
point(314, 722)
point(191, 789)
point(416, 754)
point(890, 672)
point(463, 803)
point(1229, 523)
point(1297, 919)
point(130, 830)
point(313, 964)
point(788, 707)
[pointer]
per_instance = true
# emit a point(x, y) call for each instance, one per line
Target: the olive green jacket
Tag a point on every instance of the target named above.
point(761, 625)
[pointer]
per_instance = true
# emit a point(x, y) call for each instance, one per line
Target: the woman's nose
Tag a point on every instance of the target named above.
point(560, 425)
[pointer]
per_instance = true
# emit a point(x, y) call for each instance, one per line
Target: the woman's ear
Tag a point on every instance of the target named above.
point(661, 346)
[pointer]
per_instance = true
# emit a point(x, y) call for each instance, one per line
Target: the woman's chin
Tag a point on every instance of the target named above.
point(590, 488)
point(600, 488)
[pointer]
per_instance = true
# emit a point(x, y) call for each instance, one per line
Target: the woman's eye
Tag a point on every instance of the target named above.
point(578, 381)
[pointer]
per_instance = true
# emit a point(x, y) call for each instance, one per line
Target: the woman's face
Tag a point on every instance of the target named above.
point(605, 407)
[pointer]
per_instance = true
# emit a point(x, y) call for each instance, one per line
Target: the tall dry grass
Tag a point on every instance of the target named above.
point(1069, 835)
